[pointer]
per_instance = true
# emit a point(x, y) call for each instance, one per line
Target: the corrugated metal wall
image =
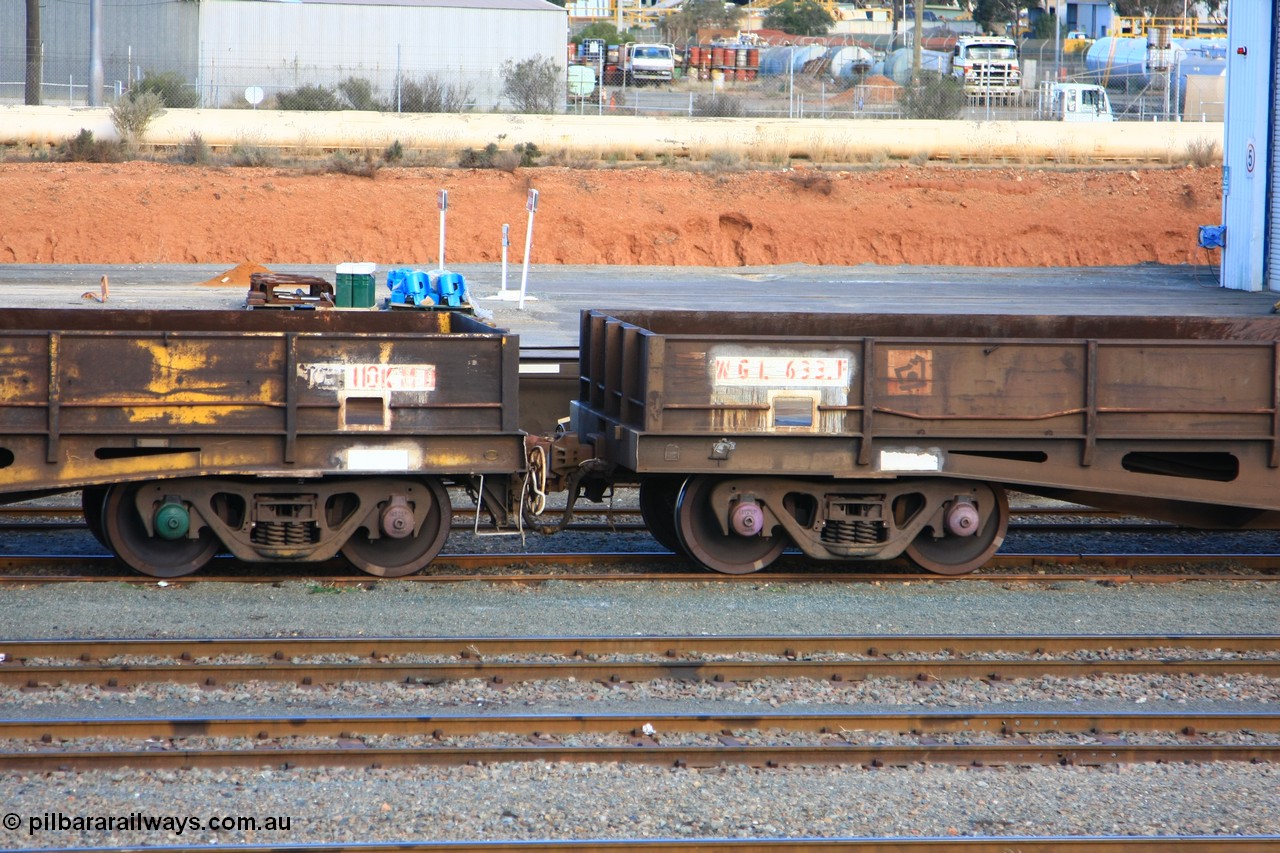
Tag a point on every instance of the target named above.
point(151, 35)
point(1249, 176)
point(281, 46)
point(224, 46)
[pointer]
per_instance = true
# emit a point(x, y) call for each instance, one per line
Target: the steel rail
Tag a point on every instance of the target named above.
point(15, 672)
point(1116, 568)
point(782, 645)
point(969, 844)
point(719, 671)
point(983, 755)
point(633, 725)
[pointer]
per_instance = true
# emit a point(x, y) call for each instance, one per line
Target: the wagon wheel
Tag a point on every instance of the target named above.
point(389, 557)
point(702, 538)
point(658, 507)
point(91, 500)
point(127, 536)
point(950, 554)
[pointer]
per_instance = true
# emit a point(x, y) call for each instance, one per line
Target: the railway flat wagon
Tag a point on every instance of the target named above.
point(858, 436)
point(275, 435)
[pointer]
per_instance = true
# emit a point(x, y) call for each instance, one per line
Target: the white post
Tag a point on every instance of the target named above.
point(506, 241)
point(532, 206)
point(442, 199)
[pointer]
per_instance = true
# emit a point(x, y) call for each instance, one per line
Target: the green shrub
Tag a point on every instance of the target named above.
point(309, 99)
point(717, 105)
point(174, 91)
point(534, 85)
point(934, 96)
point(362, 167)
point(431, 94)
point(528, 152)
point(133, 113)
point(358, 93)
point(469, 158)
point(83, 148)
point(247, 154)
point(195, 150)
point(1204, 152)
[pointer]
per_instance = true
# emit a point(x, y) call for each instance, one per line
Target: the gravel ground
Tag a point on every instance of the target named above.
point(535, 801)
point(530, 801)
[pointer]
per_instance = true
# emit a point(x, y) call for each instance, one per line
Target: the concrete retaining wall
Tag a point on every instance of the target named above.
point(760, 139)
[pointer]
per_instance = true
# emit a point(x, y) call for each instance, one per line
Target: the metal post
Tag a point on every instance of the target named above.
point(791, 82)
point(442, 199)
point(532, 206)
point(1057, 41)
point(506, 241)
point(95, 53)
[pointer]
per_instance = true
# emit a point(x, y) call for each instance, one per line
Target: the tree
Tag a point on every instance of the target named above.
point(602, 30)
point(799, 17)
point(988, 13)
point(534, 85)
point(34, 81)
point(682, 27)
point(1160, 8)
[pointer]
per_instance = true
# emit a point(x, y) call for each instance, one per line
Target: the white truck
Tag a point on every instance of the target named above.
point(988, 67)
point(649, 62)
point(1076, 102)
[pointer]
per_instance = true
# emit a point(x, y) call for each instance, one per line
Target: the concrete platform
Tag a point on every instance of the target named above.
point(550, 317)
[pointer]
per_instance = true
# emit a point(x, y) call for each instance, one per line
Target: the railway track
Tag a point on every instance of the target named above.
point(635, 566)
point(118, 663)
point(768, 739)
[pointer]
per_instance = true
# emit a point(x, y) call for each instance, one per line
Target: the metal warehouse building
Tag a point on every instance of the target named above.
point(1251, 176)
point(222, 47)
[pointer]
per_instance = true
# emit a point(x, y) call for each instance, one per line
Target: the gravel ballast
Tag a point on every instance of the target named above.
point(540, 800)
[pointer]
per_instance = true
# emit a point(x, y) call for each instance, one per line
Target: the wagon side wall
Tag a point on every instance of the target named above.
point(88, 402)
point(1191, 417)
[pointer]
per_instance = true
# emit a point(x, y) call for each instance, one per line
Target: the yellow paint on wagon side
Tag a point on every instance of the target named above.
point(443, 459)
point(185, 415)
point(171, 360)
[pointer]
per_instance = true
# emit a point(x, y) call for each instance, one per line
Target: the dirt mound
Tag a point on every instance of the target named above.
point(879, 89)
point(237, 276)
point(700, 215)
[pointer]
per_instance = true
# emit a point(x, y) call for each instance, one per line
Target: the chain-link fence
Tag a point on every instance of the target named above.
point(809, 89)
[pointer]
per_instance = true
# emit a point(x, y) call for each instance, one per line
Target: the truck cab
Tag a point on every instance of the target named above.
point(987, 66)
point(1078, 102)
point(655, 62)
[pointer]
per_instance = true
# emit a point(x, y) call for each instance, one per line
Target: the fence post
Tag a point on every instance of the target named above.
point(532, 206)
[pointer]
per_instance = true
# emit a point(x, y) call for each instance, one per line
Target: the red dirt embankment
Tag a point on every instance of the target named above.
point(141, 212)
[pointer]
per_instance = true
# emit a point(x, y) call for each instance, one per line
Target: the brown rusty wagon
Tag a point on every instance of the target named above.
point(279, 436)
point(855, 436)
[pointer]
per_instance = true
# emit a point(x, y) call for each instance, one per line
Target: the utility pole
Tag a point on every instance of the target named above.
point(34, 83)
point(916, 56)
point(95, 53)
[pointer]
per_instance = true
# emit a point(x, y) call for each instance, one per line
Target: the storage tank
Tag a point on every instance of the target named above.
point(1118, 62)
point(782, 60)
point(898, 65)
point(848, 61)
